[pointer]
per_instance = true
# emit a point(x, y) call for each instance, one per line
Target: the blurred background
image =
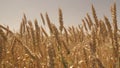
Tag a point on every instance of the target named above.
point(11, 11)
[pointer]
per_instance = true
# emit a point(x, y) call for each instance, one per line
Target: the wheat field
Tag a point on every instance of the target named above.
point(94, 44)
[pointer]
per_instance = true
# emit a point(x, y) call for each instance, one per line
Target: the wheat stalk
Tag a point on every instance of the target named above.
point(60, 20)
point(94, 15)
point(42, 18)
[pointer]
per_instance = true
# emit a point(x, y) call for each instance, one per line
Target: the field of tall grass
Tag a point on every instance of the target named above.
point(94, 44)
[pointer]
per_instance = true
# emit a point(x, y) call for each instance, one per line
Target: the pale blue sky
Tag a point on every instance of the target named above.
point(11, 11)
